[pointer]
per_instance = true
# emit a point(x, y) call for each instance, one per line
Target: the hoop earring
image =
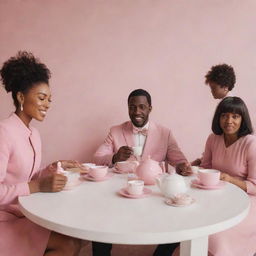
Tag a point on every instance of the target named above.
point(21, 107)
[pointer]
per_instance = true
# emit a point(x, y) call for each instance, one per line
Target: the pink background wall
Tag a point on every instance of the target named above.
point(98, 51)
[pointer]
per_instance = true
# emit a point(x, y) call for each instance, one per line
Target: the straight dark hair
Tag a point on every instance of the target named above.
point(232, 105)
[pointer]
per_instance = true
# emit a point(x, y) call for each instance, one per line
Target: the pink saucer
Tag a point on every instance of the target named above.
point(116, 170)
point(123, 192)
point(197, 184)
point(90, 178)
point(170, 202)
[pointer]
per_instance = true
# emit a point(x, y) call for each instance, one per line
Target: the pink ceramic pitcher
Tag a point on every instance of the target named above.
point(148, 170)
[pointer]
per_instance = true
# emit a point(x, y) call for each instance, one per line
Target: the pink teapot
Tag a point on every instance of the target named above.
point(148, 170)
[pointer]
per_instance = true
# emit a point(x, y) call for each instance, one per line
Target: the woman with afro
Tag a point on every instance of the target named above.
point(20, 156)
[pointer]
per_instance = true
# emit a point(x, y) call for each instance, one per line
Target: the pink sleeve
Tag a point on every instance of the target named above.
point(251, 167)
point(8, 193)
point(105, 152)
point(207, 155)
point(174, 154)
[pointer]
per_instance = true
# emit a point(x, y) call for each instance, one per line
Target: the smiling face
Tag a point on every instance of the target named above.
point(35, 103)
point(139, 110)
point(217, 91)
point(230, 123)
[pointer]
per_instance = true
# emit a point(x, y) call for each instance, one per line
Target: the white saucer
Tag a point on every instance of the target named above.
point(123, 192)
point(170, 202)
point(90, 178)
point(197, 184)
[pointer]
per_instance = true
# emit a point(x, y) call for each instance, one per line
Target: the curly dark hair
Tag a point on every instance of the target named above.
point(222, 75)
point(232, 105)
point(21, 72)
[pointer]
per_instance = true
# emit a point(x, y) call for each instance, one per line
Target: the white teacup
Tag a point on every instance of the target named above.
point(195, 169)
point(126, 166)
point(208, 177)
point(135, 187)
point(72, 179)
point(137, 151)
point(87, 166)
point(98, 171)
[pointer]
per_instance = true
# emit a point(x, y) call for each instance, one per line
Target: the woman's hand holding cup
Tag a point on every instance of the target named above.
point(52, 183)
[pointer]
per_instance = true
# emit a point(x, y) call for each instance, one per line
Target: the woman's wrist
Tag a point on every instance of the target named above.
point(238, 182)
point(34, 186)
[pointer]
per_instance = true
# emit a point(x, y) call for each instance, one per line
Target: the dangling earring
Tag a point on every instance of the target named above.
point(21, 107)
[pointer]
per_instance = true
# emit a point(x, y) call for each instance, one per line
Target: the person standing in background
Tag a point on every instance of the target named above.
point(221, 80)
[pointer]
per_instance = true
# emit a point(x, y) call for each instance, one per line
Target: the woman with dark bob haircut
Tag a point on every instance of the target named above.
point(232, 105)
point(20, 156)
point(231, 149)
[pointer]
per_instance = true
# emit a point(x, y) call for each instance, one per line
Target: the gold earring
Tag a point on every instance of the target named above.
point(21, 107)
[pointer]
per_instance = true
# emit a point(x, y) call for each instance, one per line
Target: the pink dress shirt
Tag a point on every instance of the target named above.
point(20, 157)
point(239, 160)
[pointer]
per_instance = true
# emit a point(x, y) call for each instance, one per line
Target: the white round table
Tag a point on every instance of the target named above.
point(95, 211)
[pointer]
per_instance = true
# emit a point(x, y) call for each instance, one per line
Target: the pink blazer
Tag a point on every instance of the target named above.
point(20, 158)
point(160, 144)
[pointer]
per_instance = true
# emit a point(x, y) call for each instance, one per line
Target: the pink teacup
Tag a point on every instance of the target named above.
point(98, 171)
point(126, 166)
point(208, 177)
point(135, 187)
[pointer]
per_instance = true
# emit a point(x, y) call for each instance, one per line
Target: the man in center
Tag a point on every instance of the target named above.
point(155, 141)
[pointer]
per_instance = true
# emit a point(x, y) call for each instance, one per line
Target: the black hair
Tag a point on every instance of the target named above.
point(21, 72)
point(232, 105)
point(140, 92)
point(223, 75)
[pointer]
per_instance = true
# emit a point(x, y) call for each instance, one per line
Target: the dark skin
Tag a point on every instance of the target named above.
point(36, 103)
point(122, 154)
point(184, 169)
point(139, 110)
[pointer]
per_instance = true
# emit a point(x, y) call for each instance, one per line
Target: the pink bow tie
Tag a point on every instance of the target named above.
point(136, 130)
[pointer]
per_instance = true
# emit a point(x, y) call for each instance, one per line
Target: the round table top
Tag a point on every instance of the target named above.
point(95, 211)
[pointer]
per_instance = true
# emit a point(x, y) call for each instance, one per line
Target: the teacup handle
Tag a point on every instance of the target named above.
point(135, 165)
point(162, 165)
